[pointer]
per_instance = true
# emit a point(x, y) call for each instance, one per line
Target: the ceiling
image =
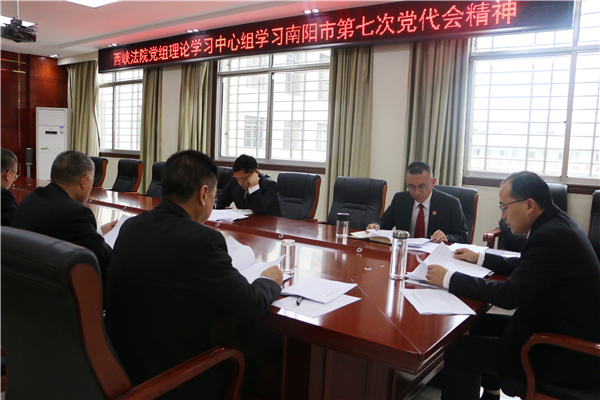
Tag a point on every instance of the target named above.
point(69, 29)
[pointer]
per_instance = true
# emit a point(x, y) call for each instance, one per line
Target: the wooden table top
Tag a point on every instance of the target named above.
point(383, 326)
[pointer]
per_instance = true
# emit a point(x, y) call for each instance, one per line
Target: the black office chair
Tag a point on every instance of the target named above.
point(507, 240)
point(155, 187)
point(468, 201)
point(53, 331)
point(129, 175)
point(594, 233)
point(100, 170)
point(298, 194)
point(532, 389)
point(362, 198)
point(223, 178)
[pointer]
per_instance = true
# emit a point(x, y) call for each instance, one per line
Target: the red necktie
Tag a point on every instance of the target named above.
point(420, 225)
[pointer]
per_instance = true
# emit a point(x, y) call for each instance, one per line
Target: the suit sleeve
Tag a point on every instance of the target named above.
point(228, 289)
point(224, 199)
point(538, 269)
point(267, 197)
point(457, 233)
point(9, 205)
point(387, 220)
point(84, 233)
point(499, 264)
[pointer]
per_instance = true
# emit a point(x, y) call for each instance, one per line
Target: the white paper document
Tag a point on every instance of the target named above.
point(444, 257)
point(111, 236)
point(243, 257)
point(433, 301)
point(319, 289)
point(503, 253)
point(418, 243)
point(473, 247)
point(314, 309)
point(225, 215)
point(383, 233)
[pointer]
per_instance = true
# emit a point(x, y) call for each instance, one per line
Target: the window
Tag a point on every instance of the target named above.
point(120, 111)
point(534, 102)
point(274, 107)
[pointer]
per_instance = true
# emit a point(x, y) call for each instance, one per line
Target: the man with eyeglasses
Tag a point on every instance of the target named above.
point(423, 210)
point(554, 286)
point(9, 176)
point(249, 189)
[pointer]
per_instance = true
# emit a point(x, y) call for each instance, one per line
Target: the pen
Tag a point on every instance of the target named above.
point(299, 300)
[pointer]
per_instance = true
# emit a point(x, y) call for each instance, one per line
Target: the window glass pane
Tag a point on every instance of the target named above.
point(517, 116)
point(244, 116)
point(128, 117)
point(279, 114)
point(105, 122)
point(300, 111)
point(301, 58)
point(537, 40)
point(583, 161)
point(589, 32)
point(244, 63)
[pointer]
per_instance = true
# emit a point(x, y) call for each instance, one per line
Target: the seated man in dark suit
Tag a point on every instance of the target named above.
point(554, 285)
point(9, 175)
point(249, 189)
point(424, 211)
point(170, 275)
point(58, 210)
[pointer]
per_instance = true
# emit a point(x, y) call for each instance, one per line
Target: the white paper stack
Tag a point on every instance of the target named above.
point(243, 257)
point(316, 296)
point(225, 215)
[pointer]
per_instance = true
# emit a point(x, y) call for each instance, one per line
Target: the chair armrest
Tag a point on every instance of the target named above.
point(490, 237)
point(189, 369)
point(310, 220)
point(555, 339)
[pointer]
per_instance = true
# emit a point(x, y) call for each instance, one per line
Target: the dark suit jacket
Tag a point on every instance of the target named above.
point(167, 279)
point(50, 211)
point(9, 205)
point(445, 214)
point(555, 286)
point(264, 201)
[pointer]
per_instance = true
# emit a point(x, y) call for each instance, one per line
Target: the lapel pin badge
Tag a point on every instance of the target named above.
point(435, 213)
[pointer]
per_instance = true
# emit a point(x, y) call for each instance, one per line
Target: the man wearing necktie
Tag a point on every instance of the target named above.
point(423, 210)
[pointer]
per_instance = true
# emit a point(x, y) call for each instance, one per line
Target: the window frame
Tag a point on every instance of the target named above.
point(267, 162)
point(487, 178)
point(105, 152)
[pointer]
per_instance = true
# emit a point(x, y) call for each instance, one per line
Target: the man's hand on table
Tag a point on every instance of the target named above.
point(466, 255)
point(438, 237)
point(107, 227)
point(274, 273)
point(435, 275)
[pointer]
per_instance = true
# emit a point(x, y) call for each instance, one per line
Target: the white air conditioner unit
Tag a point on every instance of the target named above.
point(53, 132)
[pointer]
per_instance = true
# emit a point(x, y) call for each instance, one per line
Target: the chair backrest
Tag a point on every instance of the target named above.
point(298, 194)
point(594, 233)
point(223, 178)
point(129, 175)
point(558, 191)
point(155, 187)
point(468, 201)
point(100, 170)
point(512, 242)
point(52, 328)
point(362, 198)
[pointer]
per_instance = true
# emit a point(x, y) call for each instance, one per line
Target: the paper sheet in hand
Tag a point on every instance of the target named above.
point(111, 236)
point(444, 257)
point(473, 247)
point(433, 301)
point(243, 257)
point(319, 289)
point(225, 215)
point(314, 309)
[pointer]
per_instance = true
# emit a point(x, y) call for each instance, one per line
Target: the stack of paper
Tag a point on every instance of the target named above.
point(225, 215)
point(443, 256)
point(316, 296)
point(243, 257)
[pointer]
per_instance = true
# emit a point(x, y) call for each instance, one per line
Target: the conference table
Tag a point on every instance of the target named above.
point(379, 347)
